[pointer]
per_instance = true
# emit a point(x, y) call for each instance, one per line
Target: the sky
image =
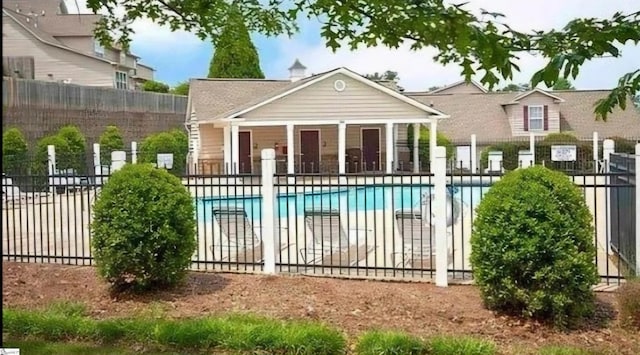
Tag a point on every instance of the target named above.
point(178, 56)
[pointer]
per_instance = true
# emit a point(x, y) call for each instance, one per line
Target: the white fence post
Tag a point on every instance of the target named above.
point(532, 148)
point(440, 215)
point(474, 155)
point(595, 153)
point(268, 216)
point(608, 148)
point(51, 166)
point(637, 170)
point(134, 152)
point(118, 159)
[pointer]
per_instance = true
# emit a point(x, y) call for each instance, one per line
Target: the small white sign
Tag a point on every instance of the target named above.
point(563, 152)
point(463, 157)
point(165, 160)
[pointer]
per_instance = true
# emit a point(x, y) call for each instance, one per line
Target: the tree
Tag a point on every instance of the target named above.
point(155, 86)
point(516, 87)
point(110, 141)
point(563, 84)
point(14, 152)
point(235, 55)
point(636, 100)
point(424, 147)
point(175, 142)
point(388, 75)
point(480, 44)
point(181, 89)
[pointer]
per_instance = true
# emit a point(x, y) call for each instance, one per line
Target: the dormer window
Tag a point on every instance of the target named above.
point(535, 118)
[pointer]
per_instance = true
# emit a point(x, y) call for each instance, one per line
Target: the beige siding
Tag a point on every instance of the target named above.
point(63, 64)
point(83, 44)
point(322, 101)
point(211, 142)
point(516, 115)
point(144, 72)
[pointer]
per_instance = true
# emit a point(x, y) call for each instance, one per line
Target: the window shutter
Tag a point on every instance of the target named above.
point(525, 114)
point(546, 117)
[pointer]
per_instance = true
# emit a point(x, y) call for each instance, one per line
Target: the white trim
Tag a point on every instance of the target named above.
point(250, 147)
point(356, 121)
point(300, 145)
point(362, 146)
point(447, 87)
point(523, 95)
point(541, 107)
point(353, 76)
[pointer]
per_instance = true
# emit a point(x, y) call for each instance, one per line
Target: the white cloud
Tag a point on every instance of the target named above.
point(417, 70)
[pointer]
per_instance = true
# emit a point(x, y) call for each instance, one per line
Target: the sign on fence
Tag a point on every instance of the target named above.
point(563, 152)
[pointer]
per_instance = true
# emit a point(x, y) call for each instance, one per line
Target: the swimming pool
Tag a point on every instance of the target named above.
point(361, 198)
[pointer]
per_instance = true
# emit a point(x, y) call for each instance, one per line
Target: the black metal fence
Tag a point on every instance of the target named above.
point(361, 224)
point(623, 214)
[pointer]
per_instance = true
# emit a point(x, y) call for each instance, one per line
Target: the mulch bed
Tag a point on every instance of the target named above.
point(353, 306)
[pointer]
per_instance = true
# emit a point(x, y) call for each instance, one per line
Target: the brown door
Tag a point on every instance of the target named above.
point(244, 151)
point(370, 149)
point(310, 151)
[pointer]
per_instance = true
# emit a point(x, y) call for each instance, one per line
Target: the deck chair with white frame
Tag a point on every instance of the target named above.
point(418, 243)
point(329, 244)
point(240, 242)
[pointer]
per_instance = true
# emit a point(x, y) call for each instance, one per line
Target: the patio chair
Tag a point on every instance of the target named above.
point(329, 245)
point(418, 241)
point(242, 243)
point(11, 194)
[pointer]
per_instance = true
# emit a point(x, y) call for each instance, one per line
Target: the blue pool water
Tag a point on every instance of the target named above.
point(357, 198)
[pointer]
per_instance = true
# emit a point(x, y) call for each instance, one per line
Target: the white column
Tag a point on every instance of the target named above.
point(532, 148)
point(268, 215)
point(51, 166)
point(235, 146)
point(637, 209)
point(389, 135)
point(291, 162)
point(226, 144)
point(433, 141)
point(608, 148)
point(342, 147)
point(474, 155)
point(396, 163)
point(134, 152)
point(439, 168)
point(416, 147)
point(96, 157)
point(595, 152)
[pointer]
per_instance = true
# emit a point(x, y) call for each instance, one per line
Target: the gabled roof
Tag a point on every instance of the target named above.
point(228, 98)
point(27, 23)
point(297, 65)
point(536, 90)
point(462, 82)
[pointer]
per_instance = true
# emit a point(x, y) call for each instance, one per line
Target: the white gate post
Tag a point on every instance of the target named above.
point(440, 215)
point(595, 153)
point(51, 166)
point(637, 169)
point(608, 148)
point(474, 155)
point(532, 148)
point(268, 216)
point(118, 159)
point(134, 152)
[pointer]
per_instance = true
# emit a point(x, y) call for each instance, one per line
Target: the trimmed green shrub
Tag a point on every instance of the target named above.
point(76, 157)
point(423, 143)
point(181, 89)
point(509, 154)
point(532, 247)
point(389, 343)
point(629, 301)
point(41, 157)
point(110, 140)
point(143, 228)
point(14, 152)
point(560, 138)
point(175, 141)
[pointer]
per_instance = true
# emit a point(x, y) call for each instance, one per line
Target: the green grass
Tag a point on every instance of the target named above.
point(564, 350)
point(389, 343)
point(67, 322)
point(448, 345)
point(38, 347)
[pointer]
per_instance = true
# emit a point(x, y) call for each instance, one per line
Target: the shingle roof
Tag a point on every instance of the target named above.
point(484, 115)
point(53, 19)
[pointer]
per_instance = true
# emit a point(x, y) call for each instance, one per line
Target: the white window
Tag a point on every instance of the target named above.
point(122, 80)
point(536, 118)
point(98, 48)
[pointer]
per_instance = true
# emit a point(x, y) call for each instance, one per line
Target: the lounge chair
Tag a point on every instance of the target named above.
point(242, 243)
point(12, 196)
point(418, 244)
point(329, 245)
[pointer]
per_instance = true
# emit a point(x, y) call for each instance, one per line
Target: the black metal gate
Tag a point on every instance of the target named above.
point(623, 208)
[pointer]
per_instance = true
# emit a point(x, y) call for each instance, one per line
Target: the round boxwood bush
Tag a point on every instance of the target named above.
point(143, 228)
point(532, 247)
